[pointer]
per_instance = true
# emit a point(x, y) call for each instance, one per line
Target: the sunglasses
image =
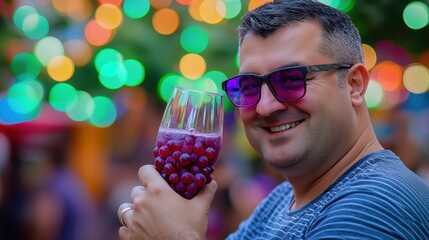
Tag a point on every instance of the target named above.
point(287, 84)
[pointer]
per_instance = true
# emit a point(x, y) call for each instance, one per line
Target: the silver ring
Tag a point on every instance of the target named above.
point(122, 215)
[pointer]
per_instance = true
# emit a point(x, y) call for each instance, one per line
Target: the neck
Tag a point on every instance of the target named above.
point(307, 190)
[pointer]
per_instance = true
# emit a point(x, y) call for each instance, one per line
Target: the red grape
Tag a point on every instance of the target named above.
point(185, 160)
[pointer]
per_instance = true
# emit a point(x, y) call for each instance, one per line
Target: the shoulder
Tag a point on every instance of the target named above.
point(380, 198)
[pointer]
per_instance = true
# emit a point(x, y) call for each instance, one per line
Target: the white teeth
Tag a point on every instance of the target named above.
point(284, 127)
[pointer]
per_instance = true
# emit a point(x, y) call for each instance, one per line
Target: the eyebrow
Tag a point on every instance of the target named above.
point(293, 64)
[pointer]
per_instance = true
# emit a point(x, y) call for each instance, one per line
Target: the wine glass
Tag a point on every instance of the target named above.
point(189, 140)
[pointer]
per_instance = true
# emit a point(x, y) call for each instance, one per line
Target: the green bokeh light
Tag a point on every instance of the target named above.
point(26, 64)
point(416, 15)
point(48, 48)
point(21, 14)
point(136, 8)
point(83, 108)
point(35, 26)
point(374, 94)
point(62, 96)
point(343, 5)
point(166, 85)
point(233, 8)
point(135, 72)
point(25, 97)
point(105, 112)
point(106, 56)
point(194, 39)
point(113, 75)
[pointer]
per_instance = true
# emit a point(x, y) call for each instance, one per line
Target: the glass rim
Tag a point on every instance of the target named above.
point(198, 91)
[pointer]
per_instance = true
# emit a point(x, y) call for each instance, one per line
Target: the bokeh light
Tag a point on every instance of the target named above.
point(62, 97)
point(158, 4)
point(232, 8)
point(194, 39)
point(374, 94)
point(96, 34)
point(107, 55)
point(25, 96)
point(21, 13)
point(105, 112)
point(83, 107)
point(135, 72)
point(113, 75)
point(416, 15)
point(388, 74)
point(343, 5)
point(136, 8)
point(48, 48)
point(79, 51)
point(108, 16)
point(416, 78)
point(61, 68)
point(212, 11)
point(35, 26)
point(370, 56)
point(78, 10)
point(256, 3)
point(192, 66)
point(166, 85)
point(194, 10)
point(26, 64)
point(165, 21)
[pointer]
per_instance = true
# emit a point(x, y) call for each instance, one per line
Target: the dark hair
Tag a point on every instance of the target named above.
point(340, 38)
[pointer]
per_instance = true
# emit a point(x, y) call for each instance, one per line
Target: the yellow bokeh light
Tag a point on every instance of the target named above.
point(109, 16)
point(194, 10)
point(256, 3)
point(370, 56)
point(416, 78)
point(60, 68)
point(192, 66)
point(209, 11)
point(165, 21)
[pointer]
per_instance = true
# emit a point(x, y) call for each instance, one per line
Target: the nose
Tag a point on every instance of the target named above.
point(268, 104)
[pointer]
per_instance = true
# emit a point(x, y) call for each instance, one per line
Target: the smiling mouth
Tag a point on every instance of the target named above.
point(285, 126)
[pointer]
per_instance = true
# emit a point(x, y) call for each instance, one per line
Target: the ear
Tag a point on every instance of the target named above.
point(357, 79)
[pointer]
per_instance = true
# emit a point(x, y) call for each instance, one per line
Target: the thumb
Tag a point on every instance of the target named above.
point(207, 193)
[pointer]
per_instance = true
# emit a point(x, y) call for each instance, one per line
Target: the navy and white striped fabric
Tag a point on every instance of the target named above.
point(378, 198)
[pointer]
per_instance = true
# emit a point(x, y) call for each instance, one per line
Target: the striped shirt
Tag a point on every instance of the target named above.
point(377, 198)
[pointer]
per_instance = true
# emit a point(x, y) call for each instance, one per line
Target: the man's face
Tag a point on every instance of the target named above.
point(298, 136)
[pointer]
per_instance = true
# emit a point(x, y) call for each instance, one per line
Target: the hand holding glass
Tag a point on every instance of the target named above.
point(189, 140)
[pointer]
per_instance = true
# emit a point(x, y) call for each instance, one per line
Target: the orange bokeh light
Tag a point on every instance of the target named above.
point(165, 21)
point(256, 3)
point(96, 34)
point(388, 74)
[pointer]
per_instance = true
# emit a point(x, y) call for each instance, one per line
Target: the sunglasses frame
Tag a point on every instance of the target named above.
point(265, 78)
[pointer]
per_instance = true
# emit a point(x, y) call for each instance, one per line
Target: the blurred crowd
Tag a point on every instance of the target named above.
point(62, 180)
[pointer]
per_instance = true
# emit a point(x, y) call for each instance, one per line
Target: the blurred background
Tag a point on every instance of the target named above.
point(83, 85)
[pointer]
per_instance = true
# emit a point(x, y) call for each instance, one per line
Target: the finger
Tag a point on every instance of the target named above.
point(123, 210)
point(208, 192)
point(123, 233)
point(136, 192)
point(148, 173)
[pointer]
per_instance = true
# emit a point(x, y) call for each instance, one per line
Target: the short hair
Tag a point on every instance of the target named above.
point(340, 37)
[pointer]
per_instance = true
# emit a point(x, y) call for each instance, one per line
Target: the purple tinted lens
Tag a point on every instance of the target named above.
point(243, 91)
point(287, 84)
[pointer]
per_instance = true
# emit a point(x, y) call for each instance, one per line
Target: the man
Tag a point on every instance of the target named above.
point(308, 119)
